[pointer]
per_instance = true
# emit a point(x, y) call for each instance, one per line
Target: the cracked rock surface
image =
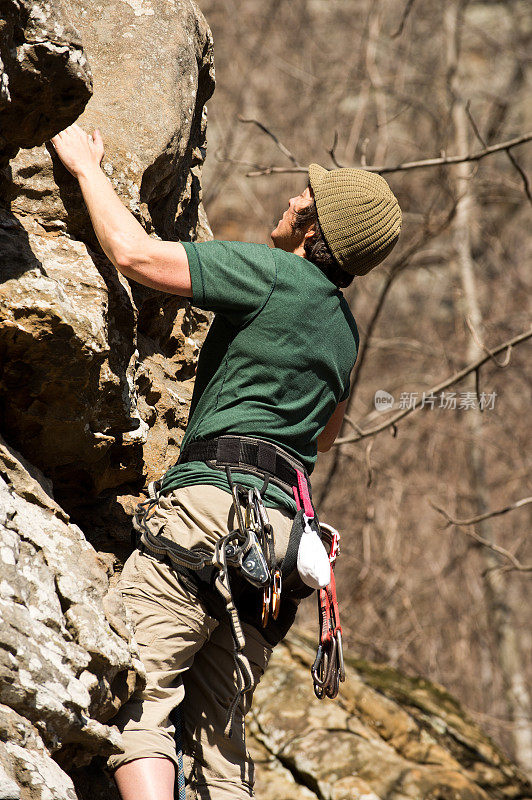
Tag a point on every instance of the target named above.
point(95, 376)
point(45, 78)
point(153, 72)
point(64, 669)
point(386, 737)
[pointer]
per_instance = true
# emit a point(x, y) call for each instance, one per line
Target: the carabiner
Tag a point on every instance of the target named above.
point(266, 602)
point(341, 665)
point(276, 593)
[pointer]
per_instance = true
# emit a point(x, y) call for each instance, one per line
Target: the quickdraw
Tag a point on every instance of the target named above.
point(328, 669)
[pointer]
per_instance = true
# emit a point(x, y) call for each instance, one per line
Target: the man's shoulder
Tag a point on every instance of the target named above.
point(300, 272)
point(223, 247)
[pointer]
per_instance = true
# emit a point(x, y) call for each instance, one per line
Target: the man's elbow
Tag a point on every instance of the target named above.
point(324, 444)
point(125, 255)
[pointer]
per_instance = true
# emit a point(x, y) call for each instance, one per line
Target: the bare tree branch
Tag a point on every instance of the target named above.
point(369, 468)
point(332, 151)
point(443, 160)
point(522, 173)
point(406, 12)
point(513, 160)
point(496, 548)
point(473, 520)
point(482, 346)
point(284, 150)
point(456, 378)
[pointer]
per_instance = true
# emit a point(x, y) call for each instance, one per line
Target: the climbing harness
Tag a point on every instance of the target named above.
point(238, 549)
point(246, 557)
point(328, 669)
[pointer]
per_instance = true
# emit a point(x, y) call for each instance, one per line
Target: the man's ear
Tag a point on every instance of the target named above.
point(310, 232)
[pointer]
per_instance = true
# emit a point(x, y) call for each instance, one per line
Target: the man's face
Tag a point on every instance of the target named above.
point(284, 235)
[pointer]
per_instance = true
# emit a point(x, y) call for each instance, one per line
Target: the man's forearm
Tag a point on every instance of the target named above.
point(161, 265)
point(119, 233)
point(152, 262)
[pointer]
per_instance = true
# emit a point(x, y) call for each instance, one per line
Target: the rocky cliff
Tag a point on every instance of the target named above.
point(95, 383)
point(96, 374)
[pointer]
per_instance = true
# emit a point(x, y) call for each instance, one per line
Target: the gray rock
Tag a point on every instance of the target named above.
point(63, 667)
point(9, 789)
point(27, 764)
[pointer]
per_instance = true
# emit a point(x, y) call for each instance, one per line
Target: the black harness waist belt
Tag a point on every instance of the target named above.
point(248, 454)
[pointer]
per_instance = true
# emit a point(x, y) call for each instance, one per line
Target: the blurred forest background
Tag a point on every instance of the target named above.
point(376, 82)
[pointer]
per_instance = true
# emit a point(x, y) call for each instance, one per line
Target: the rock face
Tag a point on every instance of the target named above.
point(67, 661)
point(153, 72)
point(95, 376)
point(386, 737)
point(45, 79)
point(79, 366)
point(95, 383)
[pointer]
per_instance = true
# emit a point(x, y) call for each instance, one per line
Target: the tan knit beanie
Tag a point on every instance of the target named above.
point(358, 214)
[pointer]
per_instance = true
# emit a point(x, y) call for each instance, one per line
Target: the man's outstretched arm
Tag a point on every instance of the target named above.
point(161, 265)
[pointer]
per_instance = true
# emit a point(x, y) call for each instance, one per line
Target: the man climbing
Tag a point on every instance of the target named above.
point(271, 388)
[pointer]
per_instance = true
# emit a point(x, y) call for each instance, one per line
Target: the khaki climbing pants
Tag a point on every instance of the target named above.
point(188, 655)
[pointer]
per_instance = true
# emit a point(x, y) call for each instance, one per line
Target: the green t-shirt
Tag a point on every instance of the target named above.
point(277, 358)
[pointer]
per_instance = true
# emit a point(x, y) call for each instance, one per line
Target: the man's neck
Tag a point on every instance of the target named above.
point(297, 251)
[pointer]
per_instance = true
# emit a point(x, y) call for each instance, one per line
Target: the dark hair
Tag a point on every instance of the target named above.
point(317, 249)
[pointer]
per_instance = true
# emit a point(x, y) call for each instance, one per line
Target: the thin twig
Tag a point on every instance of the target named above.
point(368, 463)
point(522, 173)
point(513, 160)
point(456, 378)
point(407, 165)
point(481, 517)
point(353, 424)
point(363, 150)
point(332, 151)
point(284, 150)
point(474, 124)
point(482, 346)
point(496, 548)
point(406, 12)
